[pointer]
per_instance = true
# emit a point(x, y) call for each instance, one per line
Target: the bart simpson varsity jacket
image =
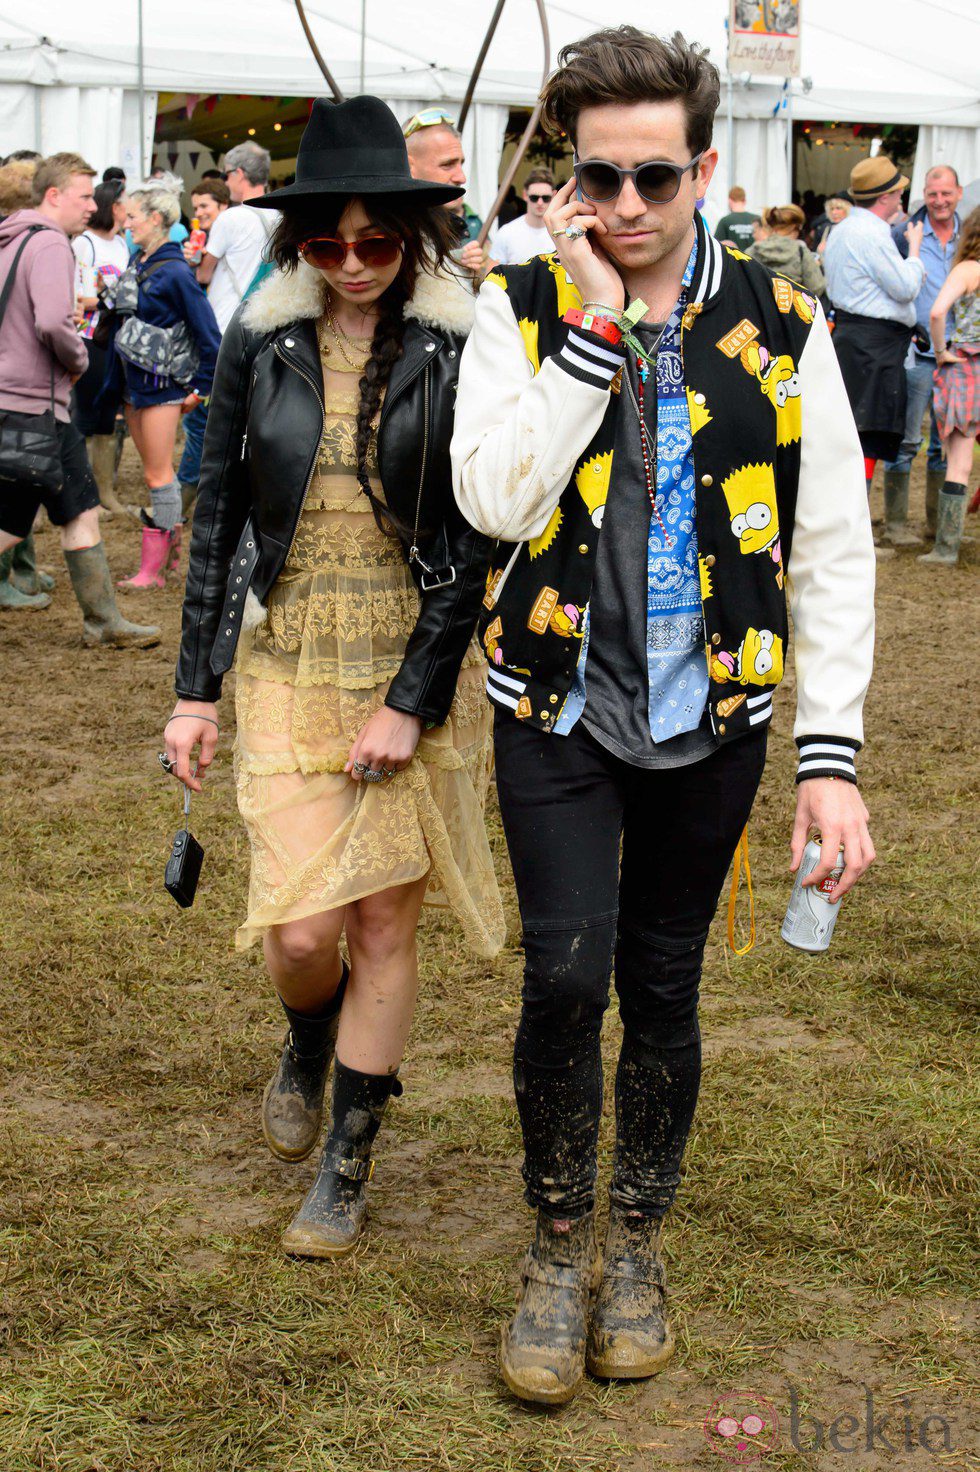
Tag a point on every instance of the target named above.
point(781, 501)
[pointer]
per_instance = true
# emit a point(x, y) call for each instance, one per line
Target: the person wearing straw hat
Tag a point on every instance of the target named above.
point(328, 548)
point(874, 291)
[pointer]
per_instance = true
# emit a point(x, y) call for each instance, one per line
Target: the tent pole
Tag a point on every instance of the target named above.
point(139, 84)
point(789, 140)
point(363, 39)
point(731, 133)
point(528, 134)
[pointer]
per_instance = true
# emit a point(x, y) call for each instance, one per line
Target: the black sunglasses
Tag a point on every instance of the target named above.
point(599, 182)
point(537, 198)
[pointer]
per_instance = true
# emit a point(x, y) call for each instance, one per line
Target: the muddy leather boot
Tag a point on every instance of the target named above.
point(188, 495)
point(292, 1105)
point(330, 1219)
point(104, 624)
point(630, 1336)
point(935, 480)
point(542, 1349)
point(897, 531)
point(24, 571)
point(951, 515)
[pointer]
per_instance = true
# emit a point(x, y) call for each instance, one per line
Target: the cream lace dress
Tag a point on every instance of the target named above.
point(339, 617)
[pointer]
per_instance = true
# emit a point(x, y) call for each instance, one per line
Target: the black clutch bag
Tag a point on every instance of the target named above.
point(184, 864)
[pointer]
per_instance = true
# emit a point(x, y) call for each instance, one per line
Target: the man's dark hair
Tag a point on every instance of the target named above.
point(626, 65)
point(113, 172)
point(23, 156)
point(214, 174)
point(216, 188)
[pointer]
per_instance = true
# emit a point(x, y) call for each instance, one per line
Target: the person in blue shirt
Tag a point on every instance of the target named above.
point(940, 237)
point(165, 308)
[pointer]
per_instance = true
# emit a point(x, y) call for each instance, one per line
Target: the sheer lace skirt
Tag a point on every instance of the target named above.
point(308, 679)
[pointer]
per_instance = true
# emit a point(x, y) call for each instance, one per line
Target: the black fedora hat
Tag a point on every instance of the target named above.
point(354, 148)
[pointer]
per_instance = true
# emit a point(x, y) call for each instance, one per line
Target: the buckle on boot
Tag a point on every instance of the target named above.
point(354, 1170)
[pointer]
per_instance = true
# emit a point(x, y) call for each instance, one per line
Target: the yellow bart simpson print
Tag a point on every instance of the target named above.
point(537, 545)
point(751, 496)
point(758, 660)
point(529, 336)
point(698, 413)
point(780, 383)
point(569, 297)
point(592, 483)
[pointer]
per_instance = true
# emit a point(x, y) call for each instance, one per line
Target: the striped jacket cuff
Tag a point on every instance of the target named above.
point(589, 358)
point(827, 756)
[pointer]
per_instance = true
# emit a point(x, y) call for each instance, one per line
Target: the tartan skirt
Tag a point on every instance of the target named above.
point(956, 395)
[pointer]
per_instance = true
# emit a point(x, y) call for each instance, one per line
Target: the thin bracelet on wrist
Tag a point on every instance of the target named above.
point(187, 715)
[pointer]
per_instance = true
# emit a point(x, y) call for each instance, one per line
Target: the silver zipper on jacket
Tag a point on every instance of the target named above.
point(318, 390)
point(432, 578)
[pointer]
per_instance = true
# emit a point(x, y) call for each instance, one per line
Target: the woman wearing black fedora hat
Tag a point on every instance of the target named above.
point(328, 548)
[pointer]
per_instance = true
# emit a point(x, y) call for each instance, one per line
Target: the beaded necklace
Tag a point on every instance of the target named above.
point(643, 364)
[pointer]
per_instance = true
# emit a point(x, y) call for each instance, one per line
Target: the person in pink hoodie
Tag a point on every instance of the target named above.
point(41, 356)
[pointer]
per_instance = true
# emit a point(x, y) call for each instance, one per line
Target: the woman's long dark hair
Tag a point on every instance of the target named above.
point(428, 236)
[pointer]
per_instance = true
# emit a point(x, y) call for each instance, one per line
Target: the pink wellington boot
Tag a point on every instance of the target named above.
point(153, 557)
point(173, 555)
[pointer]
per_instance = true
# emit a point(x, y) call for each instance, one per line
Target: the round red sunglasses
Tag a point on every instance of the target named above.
point(327, 252)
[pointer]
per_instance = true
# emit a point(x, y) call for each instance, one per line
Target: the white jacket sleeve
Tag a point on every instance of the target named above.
point(831, 573)
point(519, 434)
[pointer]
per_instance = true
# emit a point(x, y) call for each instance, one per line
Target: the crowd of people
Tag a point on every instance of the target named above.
point(900, 292)
point(541, 505)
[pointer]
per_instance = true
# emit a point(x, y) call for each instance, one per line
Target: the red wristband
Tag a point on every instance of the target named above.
point(603, 327)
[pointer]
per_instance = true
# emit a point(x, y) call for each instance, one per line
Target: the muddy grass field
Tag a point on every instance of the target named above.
point(822, 1254)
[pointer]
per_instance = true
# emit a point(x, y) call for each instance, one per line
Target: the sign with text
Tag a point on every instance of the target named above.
point(764, 37)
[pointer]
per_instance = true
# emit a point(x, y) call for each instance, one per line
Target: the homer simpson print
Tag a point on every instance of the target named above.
point(780, 382)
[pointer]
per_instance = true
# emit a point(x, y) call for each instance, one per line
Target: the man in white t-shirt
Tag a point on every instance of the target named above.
point(238, 237)
point(527, 236)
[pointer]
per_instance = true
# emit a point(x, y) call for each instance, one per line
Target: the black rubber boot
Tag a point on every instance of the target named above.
point(330, 1219)
point(292, 1105)
point(630, 1337)
point(542, 1349)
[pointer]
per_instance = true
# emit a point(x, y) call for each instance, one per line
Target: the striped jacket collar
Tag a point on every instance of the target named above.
point(710, 265)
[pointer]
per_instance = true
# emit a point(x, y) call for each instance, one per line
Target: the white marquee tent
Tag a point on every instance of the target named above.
point(69, 73)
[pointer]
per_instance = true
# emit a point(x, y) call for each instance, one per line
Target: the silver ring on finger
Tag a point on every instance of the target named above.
point(166, 763)
point(360, 768)
point(389, 772)
point(372, 776)
point(574, 232)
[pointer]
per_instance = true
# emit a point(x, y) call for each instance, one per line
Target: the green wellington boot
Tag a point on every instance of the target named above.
point(104, 624)
point(12, 597)
point(935, 480)
point(542, 1349)
point(950, 518)
point(897, 532)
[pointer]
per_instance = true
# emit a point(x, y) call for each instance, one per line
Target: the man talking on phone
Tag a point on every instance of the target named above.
point(656, 432)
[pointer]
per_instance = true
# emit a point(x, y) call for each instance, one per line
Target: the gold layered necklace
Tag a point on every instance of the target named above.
point(342, 340)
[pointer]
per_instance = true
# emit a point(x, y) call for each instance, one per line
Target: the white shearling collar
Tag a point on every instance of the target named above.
point(288, 296)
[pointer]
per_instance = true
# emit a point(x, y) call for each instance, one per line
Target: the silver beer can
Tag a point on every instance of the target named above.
point(810, 917)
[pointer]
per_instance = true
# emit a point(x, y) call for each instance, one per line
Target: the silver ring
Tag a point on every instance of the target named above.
point(165, 762)
point(360, 768)
point(574, 232)
point(371, 776)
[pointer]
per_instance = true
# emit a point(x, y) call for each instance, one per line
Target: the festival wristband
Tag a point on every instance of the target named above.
point(603, 327)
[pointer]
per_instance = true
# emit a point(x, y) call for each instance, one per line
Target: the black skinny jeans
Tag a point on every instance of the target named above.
point(567, 805)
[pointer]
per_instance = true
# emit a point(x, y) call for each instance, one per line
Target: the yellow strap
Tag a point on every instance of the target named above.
point(741, 860)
